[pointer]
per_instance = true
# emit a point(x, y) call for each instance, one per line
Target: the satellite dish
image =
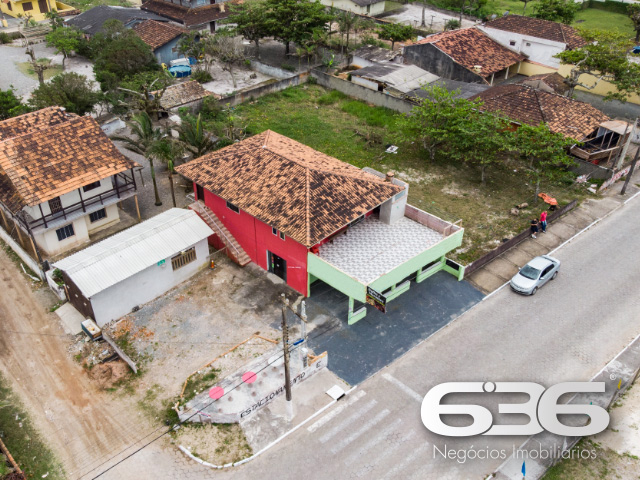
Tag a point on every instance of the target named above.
point(505, 13)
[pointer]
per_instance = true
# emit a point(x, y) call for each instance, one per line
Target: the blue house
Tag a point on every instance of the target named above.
point(162, 37)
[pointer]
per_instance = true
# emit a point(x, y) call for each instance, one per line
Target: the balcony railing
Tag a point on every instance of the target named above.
point(123, 185)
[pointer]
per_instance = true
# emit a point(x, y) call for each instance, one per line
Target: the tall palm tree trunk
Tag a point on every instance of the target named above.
point(155, 185)
point(173, 193)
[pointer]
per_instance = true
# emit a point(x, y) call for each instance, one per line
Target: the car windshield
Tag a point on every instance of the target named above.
point(529, 272)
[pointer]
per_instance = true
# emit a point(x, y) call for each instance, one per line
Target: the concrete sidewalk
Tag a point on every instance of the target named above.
point(502, 268)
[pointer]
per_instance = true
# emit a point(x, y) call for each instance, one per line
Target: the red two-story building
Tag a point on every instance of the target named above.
point(305, 216)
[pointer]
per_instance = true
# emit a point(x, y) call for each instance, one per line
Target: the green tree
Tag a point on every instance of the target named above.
point(169, 151)
point(295, 20)
point(395, 32)
point(633, 11)
point(120, 53)
point(482, 139)
point(544, 152)
point(452, 24)
point(604, 57)
point(65, 40)
point(250, 19)
point(436, 121)
point(346, 22)
point(55, 20)
point(70, 90)
point(563, 11)
point(10, 104)
point(194, 137)
point(146, 135)
point(144, 91)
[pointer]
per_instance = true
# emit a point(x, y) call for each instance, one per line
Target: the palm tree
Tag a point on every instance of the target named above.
point(146, 135)
point(168, 150)
point(195, 139)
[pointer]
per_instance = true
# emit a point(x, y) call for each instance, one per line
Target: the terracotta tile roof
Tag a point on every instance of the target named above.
point(189, 17)
point(524, 104)
point(182, 93)
point(31, 122)
point(470, 47)
point(304, 193)
point(46, 163)
point(549, 82)
point(156, 34)
point(536, 27)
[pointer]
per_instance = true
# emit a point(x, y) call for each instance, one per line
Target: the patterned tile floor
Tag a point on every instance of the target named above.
point(372, 248)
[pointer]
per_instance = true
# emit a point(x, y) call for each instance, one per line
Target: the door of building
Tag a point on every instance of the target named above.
point(199, 192)
point(278, 266)
point(44, 8)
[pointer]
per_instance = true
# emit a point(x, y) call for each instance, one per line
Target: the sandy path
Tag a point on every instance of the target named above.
point(83, 425)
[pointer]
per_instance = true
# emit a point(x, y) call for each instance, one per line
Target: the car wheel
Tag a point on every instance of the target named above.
point(533, 292)
point(554, 276)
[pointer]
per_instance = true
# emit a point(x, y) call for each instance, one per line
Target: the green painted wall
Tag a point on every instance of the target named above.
point(411, 266)
point(336, 278)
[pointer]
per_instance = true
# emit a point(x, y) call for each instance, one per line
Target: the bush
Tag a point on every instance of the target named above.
point(452, 24)
point(5, 38)
point(211, 108)
point(201, 76)
point(288, 67)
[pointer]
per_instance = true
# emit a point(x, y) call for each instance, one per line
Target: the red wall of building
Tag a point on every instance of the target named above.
point(256, 238)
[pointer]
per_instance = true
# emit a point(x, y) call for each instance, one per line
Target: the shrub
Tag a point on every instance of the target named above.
point(288, 67)
point(201, 76)
point(211, 108)
point(5, 38)
point(452, 24)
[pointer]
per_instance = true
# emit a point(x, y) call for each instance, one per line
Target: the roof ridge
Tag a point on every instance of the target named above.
point(542, 114)
point(307, 207)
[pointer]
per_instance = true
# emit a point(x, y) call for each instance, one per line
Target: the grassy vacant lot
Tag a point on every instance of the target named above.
point(588, 18)
point(355, 132)
point(23, 441)
point(83, 5)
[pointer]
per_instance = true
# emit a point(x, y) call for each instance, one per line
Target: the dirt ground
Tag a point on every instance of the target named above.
point(216, 444)
point(222, 83)
point(83, 424)
point(411, 14)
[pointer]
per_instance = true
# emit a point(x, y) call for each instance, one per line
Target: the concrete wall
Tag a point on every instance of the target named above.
point(537, 49)
point(264, 89)
point(144, 286)
point(370, 96)
point(613, 108)
point(349, 6)
point(601, 88)
point(24, 256)
point(529, 69)
point(270, 70)
point(429, 58)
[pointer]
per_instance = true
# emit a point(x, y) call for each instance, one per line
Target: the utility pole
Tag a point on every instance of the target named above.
point(633, 166)
point(285, 345)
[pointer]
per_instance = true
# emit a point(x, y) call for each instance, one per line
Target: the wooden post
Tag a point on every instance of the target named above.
point(492, 79)
point(42, 213)
point(82, 200)
point(19, 235)
point(141, 177)
point(135, 197)
point(4, 220)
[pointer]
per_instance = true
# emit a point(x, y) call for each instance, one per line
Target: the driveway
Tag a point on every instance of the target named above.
point(362, 349)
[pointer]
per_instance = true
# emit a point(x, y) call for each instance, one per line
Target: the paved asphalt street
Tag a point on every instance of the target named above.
point(567, 332)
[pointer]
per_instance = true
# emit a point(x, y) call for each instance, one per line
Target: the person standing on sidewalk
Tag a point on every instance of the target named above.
point(534, 228)
point(543, 221)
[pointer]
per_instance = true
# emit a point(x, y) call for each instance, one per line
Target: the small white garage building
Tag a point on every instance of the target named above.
point(108, 279)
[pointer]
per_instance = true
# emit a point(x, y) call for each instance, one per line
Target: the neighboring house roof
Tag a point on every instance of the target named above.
point(126, 253)
point(44, 163)
point(375, 54)
point(403, 78)
point(182, 93)
point(465, 90)
point(156, 34)
point(364, 3)
point(91, 21)
point(536, 27)
point(470, 47)
point(549, 82)
point(32, 122)
point(190, 17)
point(303, 193)
point(524, 104)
